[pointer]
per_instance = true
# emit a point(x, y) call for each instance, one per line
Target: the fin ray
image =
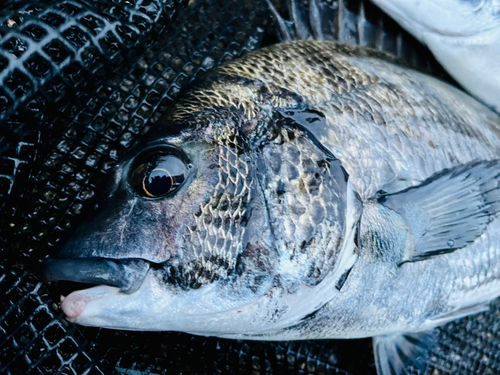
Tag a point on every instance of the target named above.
point(460, 313)
point(450, 209)
point(396, 353)
point(315, 21)
point(284, 27)
point(301, 27)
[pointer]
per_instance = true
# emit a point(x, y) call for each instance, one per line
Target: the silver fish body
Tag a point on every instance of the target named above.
point(463, 35)
point(327, 192)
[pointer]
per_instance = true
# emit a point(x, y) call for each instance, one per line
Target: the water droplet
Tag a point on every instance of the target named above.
point(450, 243)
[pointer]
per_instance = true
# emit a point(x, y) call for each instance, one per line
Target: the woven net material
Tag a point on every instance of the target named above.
point(53, 58)
point(53, 160)
point(48, 48)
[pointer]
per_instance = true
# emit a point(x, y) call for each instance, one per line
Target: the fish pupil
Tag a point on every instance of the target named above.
point(161, 182)
point(158, 172)
point(158, 185)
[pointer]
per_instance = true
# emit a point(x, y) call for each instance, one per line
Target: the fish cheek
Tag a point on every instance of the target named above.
point(255, 269)
point(257, 266)
point(216, 233)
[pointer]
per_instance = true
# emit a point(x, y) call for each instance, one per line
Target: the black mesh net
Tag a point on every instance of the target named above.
point(82, 81)
point(53, 57)
point(50, 48)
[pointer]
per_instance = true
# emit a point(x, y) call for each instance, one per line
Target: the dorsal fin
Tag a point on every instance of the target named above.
point(285, 28)
point(307, 22)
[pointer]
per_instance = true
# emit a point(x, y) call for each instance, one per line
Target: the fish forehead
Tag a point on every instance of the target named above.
point(317, 73)
point(313, 69)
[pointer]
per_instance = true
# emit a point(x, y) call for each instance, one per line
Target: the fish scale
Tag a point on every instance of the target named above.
point(233, 189)
point(295, 215)
point(406, 134)
point(381, 90)
point(482, 277)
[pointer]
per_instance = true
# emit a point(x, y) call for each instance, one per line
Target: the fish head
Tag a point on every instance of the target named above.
point(220, 223)
point(447, 18)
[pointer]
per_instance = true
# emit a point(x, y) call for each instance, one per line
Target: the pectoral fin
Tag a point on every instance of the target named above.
point(396, 354)
point(450, 209)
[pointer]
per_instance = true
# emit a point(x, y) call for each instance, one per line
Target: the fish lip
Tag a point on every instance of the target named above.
point(126, 275)
point(76, 302)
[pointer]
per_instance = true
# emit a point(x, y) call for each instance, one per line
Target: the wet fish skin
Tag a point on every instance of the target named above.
point(291, 147)
point(463, 35)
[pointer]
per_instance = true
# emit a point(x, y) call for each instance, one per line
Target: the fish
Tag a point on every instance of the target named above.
point(307, 190)
point(463, 35)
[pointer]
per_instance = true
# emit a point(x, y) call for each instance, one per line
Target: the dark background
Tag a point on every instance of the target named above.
point(80, 82)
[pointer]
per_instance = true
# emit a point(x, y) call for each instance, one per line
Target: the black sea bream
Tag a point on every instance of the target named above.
point(308, 190)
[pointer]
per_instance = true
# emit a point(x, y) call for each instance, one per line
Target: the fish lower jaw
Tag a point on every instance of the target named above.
point(75, 303)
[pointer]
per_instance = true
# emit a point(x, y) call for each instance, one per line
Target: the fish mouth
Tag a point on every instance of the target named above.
point(80, 281)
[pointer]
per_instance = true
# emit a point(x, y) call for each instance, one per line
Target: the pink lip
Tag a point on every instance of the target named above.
point(73, 305)
point(76, 302)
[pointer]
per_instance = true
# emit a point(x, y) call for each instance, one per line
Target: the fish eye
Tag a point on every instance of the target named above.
point(158, 172)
